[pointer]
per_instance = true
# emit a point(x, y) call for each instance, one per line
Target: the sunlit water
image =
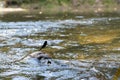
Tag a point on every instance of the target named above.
point(81, 48)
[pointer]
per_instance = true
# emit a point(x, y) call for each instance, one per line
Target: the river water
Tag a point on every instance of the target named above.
point(82, 47)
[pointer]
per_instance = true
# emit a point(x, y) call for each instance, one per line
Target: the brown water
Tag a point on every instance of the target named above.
point(83, 47)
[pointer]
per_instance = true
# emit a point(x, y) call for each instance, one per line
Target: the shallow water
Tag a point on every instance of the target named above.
point(82, 47)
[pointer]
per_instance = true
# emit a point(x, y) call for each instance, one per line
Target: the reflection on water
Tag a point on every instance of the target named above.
point(82, 48)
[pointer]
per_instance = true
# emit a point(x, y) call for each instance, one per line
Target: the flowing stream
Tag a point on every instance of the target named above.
point(81, 47)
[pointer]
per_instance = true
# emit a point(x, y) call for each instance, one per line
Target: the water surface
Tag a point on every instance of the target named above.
point(82, 47)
